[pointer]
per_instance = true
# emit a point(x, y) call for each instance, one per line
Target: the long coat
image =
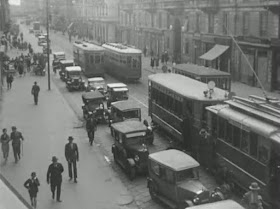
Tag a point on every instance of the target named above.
point(71, 153)
point(54, 173)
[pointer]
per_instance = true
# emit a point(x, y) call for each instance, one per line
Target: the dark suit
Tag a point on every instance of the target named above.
point(55, 178)
point(72, 156)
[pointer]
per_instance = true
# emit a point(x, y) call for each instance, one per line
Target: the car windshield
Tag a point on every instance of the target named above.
point(120, 94)
point(75, 73)
point(131, 114)
point(134, 138)
point(96, 83)
point(187, 174)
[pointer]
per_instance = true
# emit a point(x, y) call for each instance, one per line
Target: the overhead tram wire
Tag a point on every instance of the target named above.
point(246, 58)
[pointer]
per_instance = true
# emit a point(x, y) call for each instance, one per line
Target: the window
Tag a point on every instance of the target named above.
point(166, 174)
point(186, 47)
point(210, 23)
point(197, 23)
point(97, 59)
point(263, 23)
point(102, 58)
point(229, 133)
point(263, 149)
point(154, 167)
point(129, 60)
point(236, 136)
point(91, 59)
point(254, 145)
point(159, 20)
point(246, 23)
point(245, 140)
point(134, 63)
point(225, 23)
point(222, 128)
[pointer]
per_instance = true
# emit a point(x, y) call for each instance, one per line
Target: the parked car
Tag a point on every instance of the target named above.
point(225, 204)
point(41, 40)
point(57, 56)
point(174, 179)
point(63, 64)
point(96, 83)
point(124, 110)
point(73, 76)
point(94, 106)
point(116, 92)
point(129, 148)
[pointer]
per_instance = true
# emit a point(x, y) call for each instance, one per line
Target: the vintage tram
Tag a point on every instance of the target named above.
point(90, 57)
point(246, 135)
point(122, 61)
point(204, 74)
point(177, 105)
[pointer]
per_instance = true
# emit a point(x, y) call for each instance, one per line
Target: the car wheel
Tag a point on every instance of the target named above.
point(152, 191)
point(131, 172)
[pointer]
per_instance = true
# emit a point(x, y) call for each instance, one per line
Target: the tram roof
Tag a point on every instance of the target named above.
point(228, 204)
point(174, 159)
point(200, 70)
point(126, 105)
point(247, 122)
point(187, 87)
point(129, 126)
point(88, 46)
point(117, 47)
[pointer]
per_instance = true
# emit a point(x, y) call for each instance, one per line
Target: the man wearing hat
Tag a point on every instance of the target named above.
point(16, 138)
point(72, 156)
point(55, 178)
point(252, 199)
point(35, 92)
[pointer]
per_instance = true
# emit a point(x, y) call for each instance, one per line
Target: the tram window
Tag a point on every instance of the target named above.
point(134, 63)
point(129, 60)
point(203, 80)
point(245, 141)
point(102, 58)
point(97, 59)
point(263, 149)
point(253, 145)
point(214, 125)
point(236, 136)
point(228, 137)
point(91, 59)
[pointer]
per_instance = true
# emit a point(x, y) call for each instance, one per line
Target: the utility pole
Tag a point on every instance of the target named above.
point(48, 47)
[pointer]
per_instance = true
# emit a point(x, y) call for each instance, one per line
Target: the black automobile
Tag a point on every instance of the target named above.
point(57, 56)
point(62, 66)
point(129, 148)
point(73, 77)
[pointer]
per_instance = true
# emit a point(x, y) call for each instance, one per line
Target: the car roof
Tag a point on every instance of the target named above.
point(129, 126)
point(92, 95)
point(120, 89)
point(95, 79)
point(41, 37)
point(116, 85)
point(174, 159)
point(58, 53)
point(228, 204)
point(73, 68)
point(66, 61)
point(125, 105)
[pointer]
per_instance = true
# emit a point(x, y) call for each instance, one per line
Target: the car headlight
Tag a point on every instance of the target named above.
point(136, 158)
point(196, 200)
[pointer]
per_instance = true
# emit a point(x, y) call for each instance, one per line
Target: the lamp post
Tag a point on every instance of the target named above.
point(48, 46)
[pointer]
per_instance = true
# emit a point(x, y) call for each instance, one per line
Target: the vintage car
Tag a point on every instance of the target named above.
point(124, 110)
point(174, 179)
point(116, 92)
point(73, 76)
point(45, 48)
point(96, 83)
point(93, 105)
point(57, 56)
point(41, 40)
point(62, 65)
point(129, 148)
point(225, 204)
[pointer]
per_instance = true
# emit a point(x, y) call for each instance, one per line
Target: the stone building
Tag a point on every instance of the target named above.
point(224, 34)
point(4, 14)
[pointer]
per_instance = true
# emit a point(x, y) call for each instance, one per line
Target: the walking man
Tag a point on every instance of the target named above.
point(54, 177)
point(16, 138)
point(72, 156)
point(32, 185)
point(91, 125)
point(252, 199)
point(5, 139)
point(35, 92)
point(9, 81)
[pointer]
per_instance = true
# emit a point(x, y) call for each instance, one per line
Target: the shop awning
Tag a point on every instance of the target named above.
point(214, 53)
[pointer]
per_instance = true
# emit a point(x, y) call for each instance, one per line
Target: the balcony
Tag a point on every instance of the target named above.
point(209, 6)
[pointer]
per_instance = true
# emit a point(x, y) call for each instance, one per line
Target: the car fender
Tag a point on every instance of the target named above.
point(189, 203)
point(131, 161)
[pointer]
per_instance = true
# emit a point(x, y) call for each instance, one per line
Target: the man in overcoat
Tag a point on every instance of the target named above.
point(35, 92)
point(16, 138)
point(72, 156)
point(54, 177)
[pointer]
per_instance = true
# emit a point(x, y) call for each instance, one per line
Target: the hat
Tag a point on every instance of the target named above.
point(70, 138)
point(14, 128)
point(254, 186)
point(54, 159)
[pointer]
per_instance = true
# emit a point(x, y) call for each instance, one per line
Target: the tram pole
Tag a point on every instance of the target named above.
point(48, 46)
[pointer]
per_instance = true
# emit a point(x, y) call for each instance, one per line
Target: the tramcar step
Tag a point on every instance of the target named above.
point(167, 202)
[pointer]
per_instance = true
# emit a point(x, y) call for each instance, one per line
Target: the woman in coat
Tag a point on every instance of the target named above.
point(5, 139)
point(32, 185)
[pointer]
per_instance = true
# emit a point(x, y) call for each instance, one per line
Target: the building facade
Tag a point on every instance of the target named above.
point(4, 14)
point(224, 34)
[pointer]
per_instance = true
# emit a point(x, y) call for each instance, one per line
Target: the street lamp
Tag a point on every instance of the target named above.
point(48, 46)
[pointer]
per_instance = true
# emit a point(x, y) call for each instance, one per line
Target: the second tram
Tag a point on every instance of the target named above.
point(122, 61)
point(90, 57)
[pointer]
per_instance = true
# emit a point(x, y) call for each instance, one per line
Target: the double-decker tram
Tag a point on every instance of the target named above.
point(246, 134)
point(10, 198)
point(177, 105)
point(90, 57)
point(122, 61)
point(204, 74)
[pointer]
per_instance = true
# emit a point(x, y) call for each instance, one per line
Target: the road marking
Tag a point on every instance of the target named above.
point(107, 159)
point(139, 101)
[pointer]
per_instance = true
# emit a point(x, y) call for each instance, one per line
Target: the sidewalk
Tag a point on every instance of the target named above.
point(45, 128)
